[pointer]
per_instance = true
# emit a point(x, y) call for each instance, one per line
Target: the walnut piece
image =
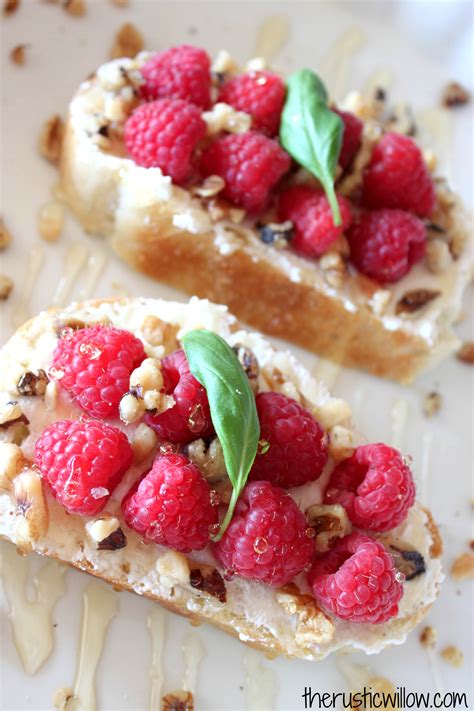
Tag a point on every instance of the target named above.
point(178, 700)
point(160, 333)
point(144, 441)
point(466, 353)
point(10, 412)
point(146, 383)
point(10, 6)
point(409, 562)
point(5, 236)
point(453, 656)
point(106, 532)
point(33, 384)
point(50, 138)
point(173, 568)
point(128, 42)
point(414, 300)
point(249, 363)
point(12, 462)
point(313, 626)
point(31, 521)
point(341, 442)
point(211, 186)
point(6, 286)
point(208, 579)
point(432, 403)
point(18, 54)
point(428, 637)
point(329, 523)
point(223, 117)
point(209, 458)
point(463, 567)
point(77, 8)
point(455, 94)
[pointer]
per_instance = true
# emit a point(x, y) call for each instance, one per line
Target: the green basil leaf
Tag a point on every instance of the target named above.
point(311, 133)
point(232, 402)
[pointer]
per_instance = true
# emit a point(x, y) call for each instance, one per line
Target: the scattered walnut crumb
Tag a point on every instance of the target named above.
point(463, 567)
point(453, 656)
point(5, 236)
point(18, 54)
point(178, 701)
point(128, 42)
point(51, 220)
point(455, 94)
point(6, 286)
point(432, 403)
point(77, 8)
point(466, 353)
point(415, 300)
point(50, 138)
point(10, 6)
point(120, 3)
point(428, 637)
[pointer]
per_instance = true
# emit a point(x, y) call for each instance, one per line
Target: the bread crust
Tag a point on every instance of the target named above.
point(134, 567)
point(288, 301)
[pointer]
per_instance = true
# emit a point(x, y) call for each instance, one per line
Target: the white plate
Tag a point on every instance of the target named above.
point(62, 51)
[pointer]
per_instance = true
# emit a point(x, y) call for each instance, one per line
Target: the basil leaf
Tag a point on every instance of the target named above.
point(311, 133)
point(232, 402)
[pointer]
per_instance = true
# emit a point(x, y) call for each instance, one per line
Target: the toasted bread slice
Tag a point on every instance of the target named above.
point(285, 621)
point(194, 243)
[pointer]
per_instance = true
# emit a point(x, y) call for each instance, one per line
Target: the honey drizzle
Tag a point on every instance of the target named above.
point(74, 259)
point(35, 261)
point(260, 683)
point(156, 623)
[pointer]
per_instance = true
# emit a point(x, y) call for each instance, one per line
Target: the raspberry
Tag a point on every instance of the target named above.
point(297, 445)
point(350, 138)
point(385, 244)
point(251, 165)
point(82, 462)
point(94, 364)
point(398, 177)
point(357, 580)
point(374, 485)
point(267, 537)
point(171, 505)
point(312, 218)
point(190, 417)
point(163, 134)
point(260, 94)
point(178, 73)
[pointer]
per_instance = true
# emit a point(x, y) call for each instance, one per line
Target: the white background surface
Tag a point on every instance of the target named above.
point(423, 44)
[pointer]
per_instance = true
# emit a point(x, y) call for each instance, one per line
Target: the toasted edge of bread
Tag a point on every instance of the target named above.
point(285, 621)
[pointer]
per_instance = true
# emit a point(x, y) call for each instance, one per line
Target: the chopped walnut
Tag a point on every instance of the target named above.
point(106, 532)
point(128, 42)
point(352, 181)
point(173, 568)
point(33, 383)
point(51, 396)
point(223, 117)
point(463, 567)
point(453, 656)
point(31, 521)
point(51, 220)
point(160, 333)
point(209, 458)
point(178, 700)
point(120, 3)
point(50, 138)
point(438, 256)
point(313, 626)
point(18, 54)
point(466, 353)
point(6, 286)
point(146, 383)
point(455, 94)
point(429, 156)
point(432, 403)
point(12, 462)
point(333, 268)
point(415, 300)
point(9, 412)
point(402, 120)
point(332, 412)
point(428, 637)
point(341, 442)
point(144, 441)
point(224, 64)
point(329, 524)
point(208, 580)
point(77, 8)
point(10, 6)
point(5, 236)
point(409, 562)
point(211, 186)
point(249, 363)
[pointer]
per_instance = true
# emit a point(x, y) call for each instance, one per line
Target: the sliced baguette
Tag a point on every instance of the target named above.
point(162, 230)
point(277, 621)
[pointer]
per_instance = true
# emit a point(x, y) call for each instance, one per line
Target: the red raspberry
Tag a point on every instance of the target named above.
point(312, 218)
point(267, 537)
point(250, 164)
point(190, 417)
point(385, 244)
point(163, 134)
point(297, 444)
point(94, 364)
point(350, 138)
point(171, 505)
point(260, 94)
point(398, 177)
point(374, 485)
point(178, 73)
point(357, 580)
point(82, 461)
